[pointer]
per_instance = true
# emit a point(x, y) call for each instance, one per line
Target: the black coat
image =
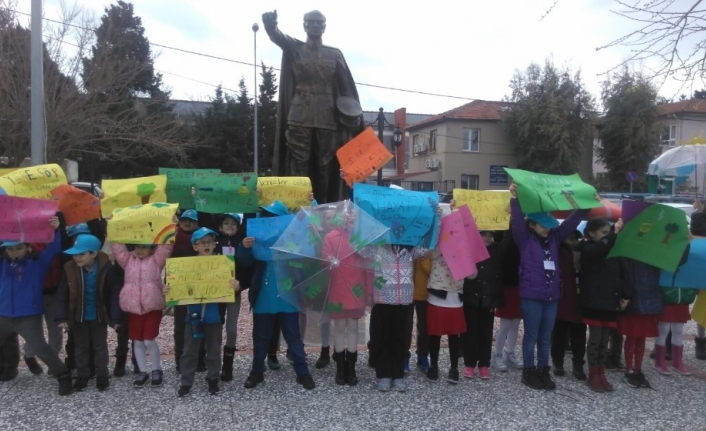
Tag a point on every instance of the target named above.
point(486, 290)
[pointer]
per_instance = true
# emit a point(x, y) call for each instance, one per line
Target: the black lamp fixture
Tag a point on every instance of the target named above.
point(397, 136)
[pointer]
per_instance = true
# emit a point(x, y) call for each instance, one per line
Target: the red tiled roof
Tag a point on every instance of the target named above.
point(476, 110)
point(691, 105)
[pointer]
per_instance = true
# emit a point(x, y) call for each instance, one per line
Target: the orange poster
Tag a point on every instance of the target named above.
point(76, 205)
point(362, 156)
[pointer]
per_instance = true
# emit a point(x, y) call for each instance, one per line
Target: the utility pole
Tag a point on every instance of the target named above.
point(38, 135)
point(255, 28)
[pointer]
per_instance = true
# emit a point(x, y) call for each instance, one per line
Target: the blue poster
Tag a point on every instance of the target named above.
point(266, 231)
point(411, 216)
point(691, 274)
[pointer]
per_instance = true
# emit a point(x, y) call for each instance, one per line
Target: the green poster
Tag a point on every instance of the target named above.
point(226, 193)
point(546, 193)
point(658, 236)
point(179, 183)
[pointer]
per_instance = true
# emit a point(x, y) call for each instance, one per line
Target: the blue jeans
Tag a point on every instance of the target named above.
point(538, 317)
point(263, 327)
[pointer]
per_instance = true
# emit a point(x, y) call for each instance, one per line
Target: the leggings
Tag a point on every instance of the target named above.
point(508, 330)
point(345, 335)
point(677, 332)
point(141, 348)
point(634, 353)
point(454, 349)
point(597, 348)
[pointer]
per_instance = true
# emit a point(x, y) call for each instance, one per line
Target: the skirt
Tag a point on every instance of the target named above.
point(445, 320)
point(599, 323)
point(636, 325)
point(675, 313)
point(144, 327)
point(511, 310)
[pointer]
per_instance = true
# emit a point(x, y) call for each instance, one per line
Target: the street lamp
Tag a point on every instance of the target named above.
point(255, 28)
point(396, 138)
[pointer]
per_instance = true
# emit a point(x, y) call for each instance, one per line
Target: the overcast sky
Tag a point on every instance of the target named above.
point(463, 48)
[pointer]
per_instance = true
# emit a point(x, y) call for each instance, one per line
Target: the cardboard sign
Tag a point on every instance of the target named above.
point(132, 191)
point(33, 182)
point(199, 280)
point(266, 231)
point(26, 220)
point(5, 171)
point(362, 156)
point(292, 191)
point(179, 183)
point(691, 274)
point(226, 193)
point(76, 205)
point(461, 244)
point(491, 210)
point(411, 216)
point(546, 193)
point(143, 224)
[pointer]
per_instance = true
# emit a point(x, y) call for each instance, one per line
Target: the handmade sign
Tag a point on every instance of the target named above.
point(199, 280)
point(491, 210)
point(180, 182)
point(545, 193)
point(292, 191)
point(226, 193)
point(658, 236)
point(33, 182)
point(411, 216)
point(132, 191)
point(266, 231)
point(76, 205)
point(691, 274)
point(460, 243)
point(26, 220)
point(362, 156)
point(5, 171)
point(630, 209)
point(143, 224)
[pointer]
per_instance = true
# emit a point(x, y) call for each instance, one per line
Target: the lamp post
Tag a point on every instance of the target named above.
point(396, 138)
point(255, 28)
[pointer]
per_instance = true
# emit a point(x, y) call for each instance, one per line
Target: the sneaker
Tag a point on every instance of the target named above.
point(213, 388)
point(499, 364)
point(453, 376)
point(156, 378)
point(512, 362)
point(406, 365)
point(433, 374)
point(546, 379)
point(422, 363)
point(643, 380)
point(80, 384)
point(531, 379)
point(102, 383)
point(34, 366)
point(632, 379)
point(469, 372)
point(290, 357)
point(484, 373)
point(141, 380)
point(306, 381)
point(253, 380)
point(578, 372)
point(273, 362)
point(183, 391)
point(400, 385)
point(384, 385)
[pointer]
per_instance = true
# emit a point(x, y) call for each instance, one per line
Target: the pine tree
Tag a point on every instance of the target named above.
point(267, 119)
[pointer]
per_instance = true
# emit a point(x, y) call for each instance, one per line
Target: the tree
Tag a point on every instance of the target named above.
point(548, 116)
point(628, 139)
point(267, 118)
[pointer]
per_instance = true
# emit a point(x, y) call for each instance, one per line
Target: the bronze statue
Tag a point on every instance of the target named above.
point(319, 109)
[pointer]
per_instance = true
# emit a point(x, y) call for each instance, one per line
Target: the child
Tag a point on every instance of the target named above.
point(481, 296)
point(603, 295)
point(142, 299)
point(9, 357)
point(87, 302)
point(568, 323)
point(21, 306)
point(422, 269)
point(208, 317)
point(538, 240)
point(509, 314)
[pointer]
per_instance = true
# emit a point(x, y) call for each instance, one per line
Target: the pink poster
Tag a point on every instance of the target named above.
point(26, 220)
point(460, 243)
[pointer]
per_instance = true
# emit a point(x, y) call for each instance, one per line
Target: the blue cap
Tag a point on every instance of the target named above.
point(545, 219)
point(10, 243)
point(189, 214)
point(83, 244)
point(200, 233)
point(76, 229)
point(235, 216)
point(276, 208)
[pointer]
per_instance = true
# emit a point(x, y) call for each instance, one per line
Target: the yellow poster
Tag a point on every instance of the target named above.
point(5, 171)
point(34, 181)
point(143, 224)
point(199, 280)
point(292, 191)
point(132, 191)
point(491, 210)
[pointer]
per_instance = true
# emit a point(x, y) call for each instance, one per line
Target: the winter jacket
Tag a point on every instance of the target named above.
point(644, 280)
point(353, 270)
point(258, 268)
point(182, 244)
point(22, 282)
point(533, 278)
point(568, 307)
point(394, 272)
point(142, 290)
point(211, 314)
point(422, 269)
point(70, 297)
point(440, 277)
point(486, 289)
point(242, 274)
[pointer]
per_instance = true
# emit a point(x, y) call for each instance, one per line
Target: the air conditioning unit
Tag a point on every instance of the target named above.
point(417, 148)
point(425, 147)
point(429, 163)
point(433, 164)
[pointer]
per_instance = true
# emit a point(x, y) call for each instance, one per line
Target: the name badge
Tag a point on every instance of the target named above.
point(549, 265)
point(228, 251)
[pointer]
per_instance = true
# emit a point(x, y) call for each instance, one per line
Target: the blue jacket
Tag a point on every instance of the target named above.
point(256, 268)
point(213, 314)
point(22, 287)
point(644, 280)
point(533, 281)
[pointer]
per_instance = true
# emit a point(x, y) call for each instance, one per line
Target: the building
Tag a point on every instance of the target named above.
point(682, 123)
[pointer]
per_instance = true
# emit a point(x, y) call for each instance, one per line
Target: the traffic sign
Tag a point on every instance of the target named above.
point(631, 176)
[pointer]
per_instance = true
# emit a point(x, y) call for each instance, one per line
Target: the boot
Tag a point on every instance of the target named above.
point(546, 379)
point(227, 369)
point(351, 359)
point(119, 370)
point(578, 372)
point(324, 358)
point(340, 359)
point(65, 383)
point(422, 363)
point(558, 368)
point(660, 365)
point(604, 381)
point(677, 363)
point(33, 366)
point(594, 379)
point(700, 348)
point(530, 378)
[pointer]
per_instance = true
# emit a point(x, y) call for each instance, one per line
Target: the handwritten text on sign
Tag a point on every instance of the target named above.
point(25, 219)
point(266, 232)
point(76, 205)
point(33, 182)
point(179, 183)
point(362, 156)
point(143, 224)
point(226, 193)
point(132, 191)
point(199, 280)
point(292, 191)
point(545, 193)
point(491, 210)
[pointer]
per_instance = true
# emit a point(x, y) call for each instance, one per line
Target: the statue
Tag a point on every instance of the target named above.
point(319, 109)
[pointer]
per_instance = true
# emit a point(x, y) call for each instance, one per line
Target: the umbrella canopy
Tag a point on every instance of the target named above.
point(681, 161)
point(318, 267)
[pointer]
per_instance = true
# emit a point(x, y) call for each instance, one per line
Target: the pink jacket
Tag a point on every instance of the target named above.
point(350, 283)
point(142, 291)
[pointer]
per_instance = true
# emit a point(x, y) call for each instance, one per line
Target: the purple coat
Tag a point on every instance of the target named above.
point(533, 281)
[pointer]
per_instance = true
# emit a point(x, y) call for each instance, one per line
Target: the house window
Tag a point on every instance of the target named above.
point(423, 186)
point(471, 140)
point(416, 145)
point(432, 141)
point(669, 135)
point(470, 182)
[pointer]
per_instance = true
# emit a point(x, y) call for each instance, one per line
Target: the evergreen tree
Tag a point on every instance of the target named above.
point(267, 119)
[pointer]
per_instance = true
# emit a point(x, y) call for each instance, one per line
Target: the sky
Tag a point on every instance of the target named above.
point(468, 49)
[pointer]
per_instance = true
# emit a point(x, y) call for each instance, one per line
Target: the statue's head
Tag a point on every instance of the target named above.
point(314, 23)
